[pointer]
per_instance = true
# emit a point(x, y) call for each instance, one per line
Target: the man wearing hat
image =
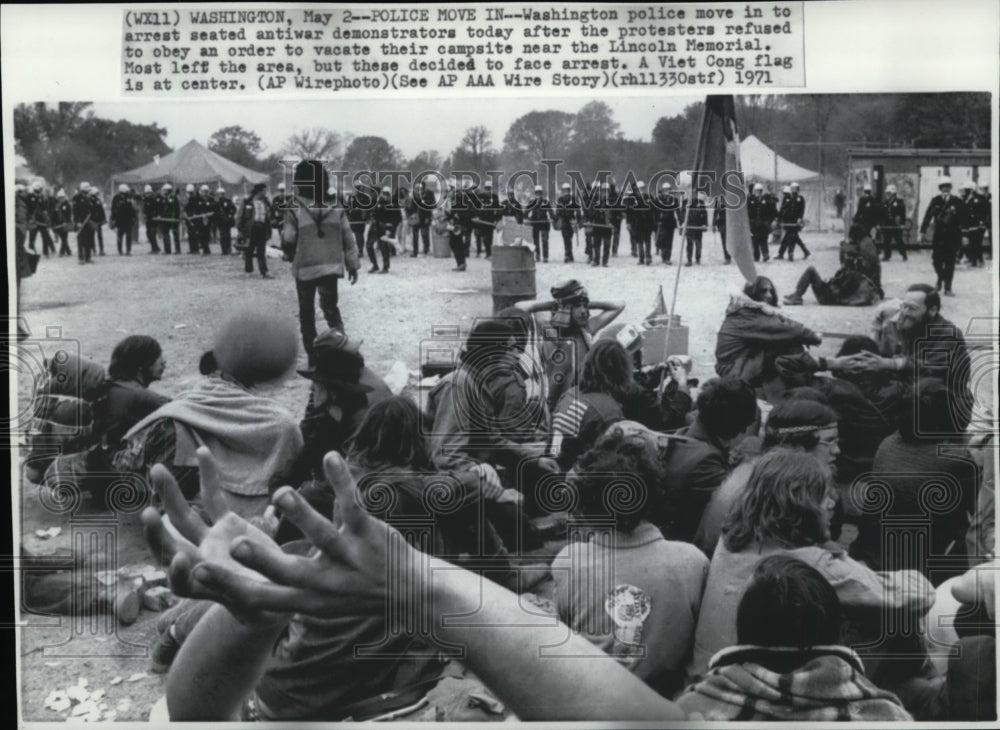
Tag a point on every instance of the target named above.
point(762, 213)
point(255, 225)
point(224, 220)
point(567, 217)
point(38, 218)
point(790, 215)
point(569, 331)
point(696, 218)
point(949, 215)
point(894, 210)
point(458, 218)
point(385, 217)
point(343, 389)
point(168, 217)
point(488, 213)
point(278, 205)
point(419, 210)
point(81, 222)
point(978, 214)
point(639, 217)
point(62, 221)
point(539, 215)
point(665, 212)
point(599, 220)
point(197, 212)
point(868, 213)
point(123, 218)
point(149, 204)
point(98, 217)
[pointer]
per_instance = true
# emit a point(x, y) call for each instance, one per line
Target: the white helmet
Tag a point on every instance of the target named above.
point(538, 188)
point(891, 189)
point(220, 189)
point(566, 186)
point(945, 180)
point(205, 188)
point(640, 185)
point(61, 193)
point(665, 185)
point(758, 186)
point(36, 186)
point(787, 189)
point(795, 186)
point(189, 188)
point(281, 186)
point(967, 185)
point(85, 186)
point(148, 189)
point(867, 188)
point(168, 187)
point(123, 188)
point(386, 189)
point(488, 184)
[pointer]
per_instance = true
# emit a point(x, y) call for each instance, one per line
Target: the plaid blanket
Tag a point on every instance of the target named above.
point(828, 686)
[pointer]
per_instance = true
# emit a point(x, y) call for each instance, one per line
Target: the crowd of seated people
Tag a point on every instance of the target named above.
point(725, 553)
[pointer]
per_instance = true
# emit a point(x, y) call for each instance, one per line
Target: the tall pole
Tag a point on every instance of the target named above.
point(822, 186)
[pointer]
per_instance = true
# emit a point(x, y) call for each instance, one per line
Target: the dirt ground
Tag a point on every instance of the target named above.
point(179, 299)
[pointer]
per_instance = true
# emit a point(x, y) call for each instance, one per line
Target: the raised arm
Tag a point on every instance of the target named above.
point(609, 312)
point(537, 305)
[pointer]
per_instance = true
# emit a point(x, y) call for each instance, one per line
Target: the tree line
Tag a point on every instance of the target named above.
point(67, 142)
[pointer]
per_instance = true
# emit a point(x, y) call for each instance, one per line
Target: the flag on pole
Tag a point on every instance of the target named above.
point(718, 152)
point(659, 316)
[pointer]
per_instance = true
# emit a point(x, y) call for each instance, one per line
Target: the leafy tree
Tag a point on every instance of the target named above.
point(237, 144)
point(423, 161)
point(539, 135)
point(371, 153)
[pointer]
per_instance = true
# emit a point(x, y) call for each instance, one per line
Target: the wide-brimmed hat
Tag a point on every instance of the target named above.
point(337, 363)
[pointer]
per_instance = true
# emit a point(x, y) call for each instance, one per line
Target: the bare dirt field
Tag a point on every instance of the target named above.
point(179, 299)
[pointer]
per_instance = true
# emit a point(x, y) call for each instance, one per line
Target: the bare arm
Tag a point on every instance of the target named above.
point(609, 312)
point(537, 305)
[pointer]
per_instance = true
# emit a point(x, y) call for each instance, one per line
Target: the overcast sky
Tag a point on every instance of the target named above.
point(409, 125)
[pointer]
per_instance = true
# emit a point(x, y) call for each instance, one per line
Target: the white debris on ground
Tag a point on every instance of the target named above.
point(83, 704)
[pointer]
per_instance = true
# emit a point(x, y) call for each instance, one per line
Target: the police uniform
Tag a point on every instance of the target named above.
point(868, 213)
point(225, 219)
point(761, 211)
point(978, 215)
point(719, 224)
point(696, 219)
point(568, 216)
point(62, 221)
point(385, 217)
point(639, 218)
point(98, 217)
point(538, 213)
point(39, 220)
point(122, 220)
point(949, 215)
point(200, 210)
point(790, 215)
point(149, 217)
point(892, 226)
point(598, 217)
point(458, 218)
point(488, 212)
point(419, 209)
point(666, 223)
point(168, 217)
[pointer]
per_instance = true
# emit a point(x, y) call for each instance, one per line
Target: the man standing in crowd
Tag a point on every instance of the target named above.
point(948, 214)
point(81, 223)
point(696, 219)
point(458, 219)
point(892, 228)
point(599, 218)
point(639, 216)
point(98, 216)
point(385, 217)
point(761, 211)
point(39, 219)
point(149, 205)
point(356, 205)
point(568, 216)
point(168, 217)
point(790, 215)
point(868, 212)
point(666, 222)
point(978, 212)
point(539, 215)
point(278, 205)
point(488, 214)
point(123, 218)
point(617, 215)
point(200, 212)
point(255, 225)
point(419, 210)
point(185, 201)
point(839, 201)
point(224, 220)
point(62, 221)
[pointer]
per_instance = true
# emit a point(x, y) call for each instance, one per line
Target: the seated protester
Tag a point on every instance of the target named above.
point(343, 388)
point(788, 664)
point(786, 508)
point(66, 410)
point(753, 334)
point(585, 412)
point(858, 281)
point(529, 370)
point(657, 405)
point(570, 325)
point(626, 588)
point(915, 342)
point(475, 409)
point(800, 424)
point(136, 362)
point(255, 441)
point(924, 456)
point(388, 451)
point(697, 464)
point(980, 538)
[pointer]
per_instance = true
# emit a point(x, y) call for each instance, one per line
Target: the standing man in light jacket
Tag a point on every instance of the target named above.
point(325, 249)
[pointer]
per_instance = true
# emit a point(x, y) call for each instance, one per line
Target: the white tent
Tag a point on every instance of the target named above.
point(762, 164)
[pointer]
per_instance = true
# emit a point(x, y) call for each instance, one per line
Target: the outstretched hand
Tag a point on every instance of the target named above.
point(198, 551)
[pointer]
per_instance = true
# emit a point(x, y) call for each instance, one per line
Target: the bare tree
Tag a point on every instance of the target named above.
point(316, 143)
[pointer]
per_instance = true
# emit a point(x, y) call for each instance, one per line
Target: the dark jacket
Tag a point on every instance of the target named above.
point(694, 467)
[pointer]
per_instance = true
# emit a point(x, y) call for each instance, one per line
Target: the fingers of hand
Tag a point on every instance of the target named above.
point(338, 475)
point(211, 484)
point(274, 564)
point(185, 519)
point(318, 530)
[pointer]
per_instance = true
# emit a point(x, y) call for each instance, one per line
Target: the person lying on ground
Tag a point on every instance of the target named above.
point(858, 281)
